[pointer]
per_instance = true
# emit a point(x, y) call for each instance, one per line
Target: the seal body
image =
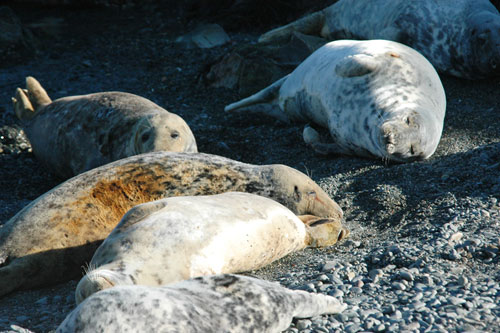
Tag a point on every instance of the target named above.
point(178, 238)
point(219, 303)
point(459, 37)
point(377, 98)
point(74, 134)
point(50, 239)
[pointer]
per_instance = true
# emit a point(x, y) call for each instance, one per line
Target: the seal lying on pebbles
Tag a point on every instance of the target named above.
point(377, 98)
point(50, 239)
point(220, 303)
point(459, 37)
point(74, 134)
point(178, 238)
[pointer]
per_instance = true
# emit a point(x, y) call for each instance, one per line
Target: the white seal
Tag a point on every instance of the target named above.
point(459, 37)
point(178, 238)
point(377, 98)
point(220, 303)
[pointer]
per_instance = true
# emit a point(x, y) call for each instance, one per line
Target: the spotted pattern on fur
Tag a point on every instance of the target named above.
point(220, 303)
point(50, 239)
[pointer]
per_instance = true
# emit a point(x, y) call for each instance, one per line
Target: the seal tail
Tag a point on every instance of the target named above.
point(311, 24)
point(263, 98)
point(28, 100)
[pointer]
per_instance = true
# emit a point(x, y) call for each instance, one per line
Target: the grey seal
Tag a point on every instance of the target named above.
point(459, 37)
point(220, 303)
point(174, 239)
point(74, 134)
point(51, 238)
point(378, 98)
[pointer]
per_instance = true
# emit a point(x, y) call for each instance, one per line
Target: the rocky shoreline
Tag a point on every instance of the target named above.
point(423, 253)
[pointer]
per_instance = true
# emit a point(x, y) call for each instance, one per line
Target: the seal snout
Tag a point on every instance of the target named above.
point(93, 282)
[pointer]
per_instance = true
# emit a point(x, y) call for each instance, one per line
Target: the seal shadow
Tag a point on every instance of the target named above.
point(38, 270)
point(401, 196)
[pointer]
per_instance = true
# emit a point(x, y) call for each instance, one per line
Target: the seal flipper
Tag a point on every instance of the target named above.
point(312, 24)
point(356, 65)
point(266, 99)
point(23, 108)
point(312, 139)
point(37, 95)
point(28, 101)
point(322, 232)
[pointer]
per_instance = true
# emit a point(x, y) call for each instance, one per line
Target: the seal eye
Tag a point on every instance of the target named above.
point(408, 121)
point(145, 137)
point(174, 135)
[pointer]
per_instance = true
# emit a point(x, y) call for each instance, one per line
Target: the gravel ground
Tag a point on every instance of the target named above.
point(423, 254)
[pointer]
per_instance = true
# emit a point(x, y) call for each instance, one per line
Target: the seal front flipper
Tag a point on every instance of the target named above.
point(313, 24)
point(356, 65)
point(322, 232)
point(264, 101)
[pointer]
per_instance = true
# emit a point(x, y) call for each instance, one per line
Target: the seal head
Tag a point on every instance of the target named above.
point(164, 131)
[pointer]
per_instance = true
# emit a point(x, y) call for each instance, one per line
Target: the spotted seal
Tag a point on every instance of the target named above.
point(50, 239)
point(74, 134)
point(459, 37)
point(217, 303)
point(178, 238)
point(377, 98)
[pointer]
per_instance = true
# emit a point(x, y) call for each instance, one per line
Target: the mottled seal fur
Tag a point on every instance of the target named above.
point(377, 98)
point(220, 303)
point(178, 238)
point(74, 134)
point(50, 239)
point(459, 37)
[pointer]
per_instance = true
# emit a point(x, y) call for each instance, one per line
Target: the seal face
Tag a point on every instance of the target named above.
point(74, 134)
point(377, 98)
point(459, 37)
point(50, 239)
point(178, 238)
point(219, 303)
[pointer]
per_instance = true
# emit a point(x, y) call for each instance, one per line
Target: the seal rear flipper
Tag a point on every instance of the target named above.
point(264, 101)
point(309, 305)
point(312, 24)
point(37, 95)
point(23, 108)
point(322, 232)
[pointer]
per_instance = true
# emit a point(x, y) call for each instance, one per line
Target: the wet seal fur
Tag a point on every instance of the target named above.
point(49, 240)
point(178, 238)
point(74, 134)
point(459, 37)
point(377, 98)
point(220, 303)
